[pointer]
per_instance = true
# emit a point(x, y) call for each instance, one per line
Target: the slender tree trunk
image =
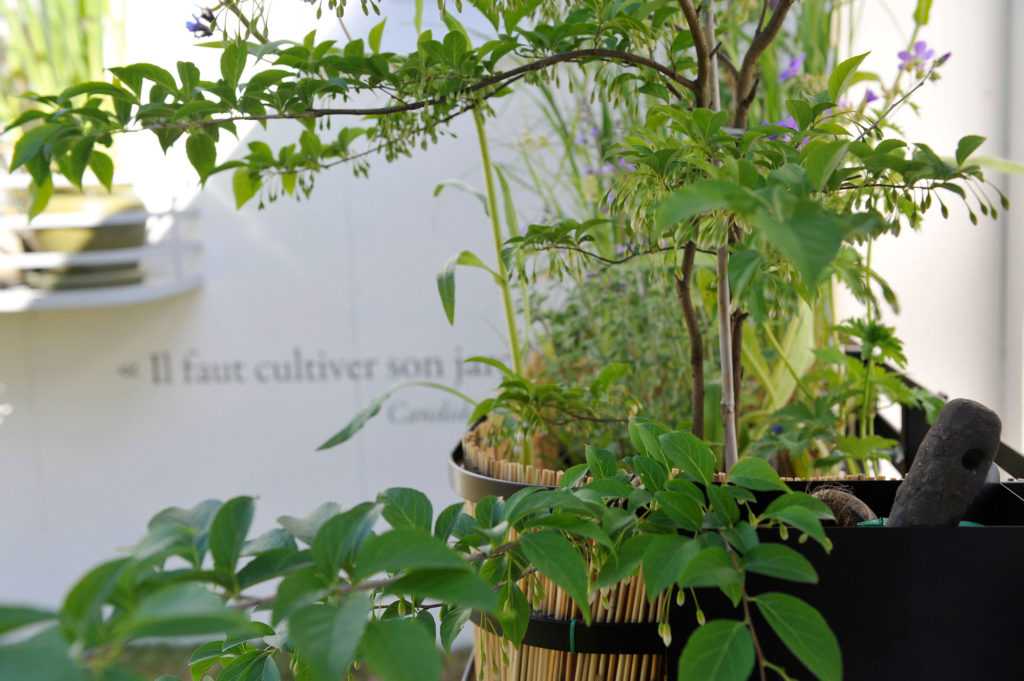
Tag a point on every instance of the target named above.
point(738, 317)
point(683, 284)
point(730, 450)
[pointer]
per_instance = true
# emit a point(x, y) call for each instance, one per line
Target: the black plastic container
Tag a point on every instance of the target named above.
point(906, 603)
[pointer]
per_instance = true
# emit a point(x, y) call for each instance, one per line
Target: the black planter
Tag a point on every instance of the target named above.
point(906, 603)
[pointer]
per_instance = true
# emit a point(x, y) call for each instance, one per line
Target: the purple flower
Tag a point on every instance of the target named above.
point(870, 96)
point(603, 169)
point(198, 28)
point(793, 69)
point(788, 122)
point(918, 55)
point(777, 429)
point(626, 165)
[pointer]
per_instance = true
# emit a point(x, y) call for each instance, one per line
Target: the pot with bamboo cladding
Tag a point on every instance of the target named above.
point(905, 603)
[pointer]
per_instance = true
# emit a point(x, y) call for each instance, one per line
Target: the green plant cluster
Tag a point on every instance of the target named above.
point(337, 589)
point(754, 223)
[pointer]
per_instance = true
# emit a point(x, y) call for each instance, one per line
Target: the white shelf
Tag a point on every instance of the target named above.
point(170, 263)
point(25, 298)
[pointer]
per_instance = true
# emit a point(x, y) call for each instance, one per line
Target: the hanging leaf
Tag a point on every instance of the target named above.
point(805, 633)
point(400, 650)
point(555, 557)
point(327, 636)
point(777, 560)
point(721, 650)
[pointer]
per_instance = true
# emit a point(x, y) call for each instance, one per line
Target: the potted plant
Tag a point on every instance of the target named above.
point(50, 49)
point(625, 535)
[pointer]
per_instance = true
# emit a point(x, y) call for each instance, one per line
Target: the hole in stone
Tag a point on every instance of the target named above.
point(973, 458)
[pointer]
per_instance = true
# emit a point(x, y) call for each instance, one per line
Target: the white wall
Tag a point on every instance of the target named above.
point(950, 275)
point(89, 454)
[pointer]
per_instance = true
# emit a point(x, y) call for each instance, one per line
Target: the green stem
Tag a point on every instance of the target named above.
point(786, 363)
point(506, 293)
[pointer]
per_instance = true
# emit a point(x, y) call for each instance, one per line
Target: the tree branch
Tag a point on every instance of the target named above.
point(492, 80)
point(762, 39)
point(696, 339)
point(702, 46)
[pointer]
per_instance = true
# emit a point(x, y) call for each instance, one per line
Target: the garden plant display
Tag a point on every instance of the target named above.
point(756, 220)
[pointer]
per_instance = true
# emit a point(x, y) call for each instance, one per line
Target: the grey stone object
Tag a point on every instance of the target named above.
point(950, 467)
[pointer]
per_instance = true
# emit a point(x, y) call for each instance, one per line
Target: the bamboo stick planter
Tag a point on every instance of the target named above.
point(905, 603)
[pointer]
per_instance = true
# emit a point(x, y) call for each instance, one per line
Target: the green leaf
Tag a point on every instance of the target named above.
point(400, 650)
point(96, 88)
point(777, 560)
point(711, 567)
point(406, 507)
point(134, 73)
point(297, 590)
point(822, 159)
point(181, 610)
point(305, 529)
point(405, 549)
point(12, 618)
point(31, 144)
point(574, 525)
point(452, 621)
point(665, 559)
point(446, 279)
point(695, 199)
point(327, 636)
point(202, 153)
point(515, 613)
point(555, 557)
point(41, 195)
point(690, 454)
point(805, 632)
point(624, 562)
point(810, 238)
point(340, 538)
point(804, 520)
point(357, 423)
point(817, 507)
point(967, 146)
point(203, 658)
point(272, 540)
point(102, 166)
point(78, 160)
point(682, 509)
point(842, 76)
point(446, 521)
point(43, 657)
point(232, 63)
point(228, 532)
point(82, 606)
point(457, 587)
point(757, 474)
point(721, 650)
point(376, 33)
point(244, 186)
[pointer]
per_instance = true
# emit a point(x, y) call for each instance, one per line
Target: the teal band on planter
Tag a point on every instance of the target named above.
point(572, 635)
point(880, 522)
